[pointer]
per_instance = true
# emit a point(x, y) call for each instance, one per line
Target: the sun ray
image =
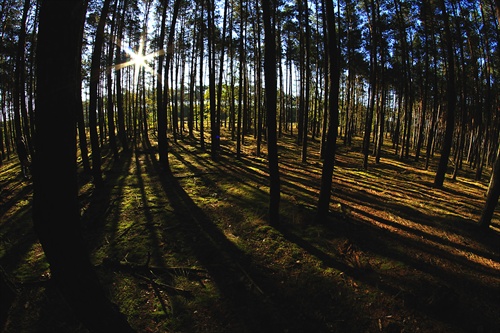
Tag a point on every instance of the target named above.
point(138, 59)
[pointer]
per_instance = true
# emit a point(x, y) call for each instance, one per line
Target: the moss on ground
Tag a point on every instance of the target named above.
point(193, 252)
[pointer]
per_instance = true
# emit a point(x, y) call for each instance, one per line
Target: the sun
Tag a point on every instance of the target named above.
point(138, 59)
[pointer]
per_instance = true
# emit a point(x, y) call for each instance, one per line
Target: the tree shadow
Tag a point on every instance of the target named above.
point(256, 297)
point(100, 206)
point(458, 226)
point(452, 297)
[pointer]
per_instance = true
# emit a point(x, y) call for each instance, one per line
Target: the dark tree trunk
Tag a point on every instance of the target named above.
point(172, 100)
point(144, 116)
point(425, 80)
point(82, 135)
point(381, 127)
point(373, 83)
point(161, 112)
point(492, 195)
point(333, 97)
point(100, 114)
point(162, 116)
point(324, 124)
point(192, 82)
point(214, 120)
point(56, 212)
point(214, 102)
point(258, 119)
point(435, 111)
point(450, 93)
point(95, 72)
point(202, 92)
point(307, 71)
point(122, 131)
point(182, 127)
point(232, 102)
point(270, 82)
point(19, 80)
point(109, 79)
point(463, 116)
point(281, 102)
point(239, 131)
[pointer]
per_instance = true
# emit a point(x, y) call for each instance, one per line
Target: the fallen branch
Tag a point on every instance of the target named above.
point(128, 267)
point(171, 290)
point(154, 285)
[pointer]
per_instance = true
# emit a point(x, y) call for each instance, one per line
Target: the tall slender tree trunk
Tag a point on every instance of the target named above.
point(258, 120)
point(307, 85)
point(180, 101)
point(143, 112)
point(435, 112)
point(232, 102)
point(214, 121)
point(144, 116)
point(202, 86)
point(192, 81)
point(109, 79)
point(95, 73)
point(82, 133)
point(423, 111)
point(162, 129)
point(122, 131)
point(326, 106)
point(451, 96)
point(19, 82)
point(463, 115)
point(56, 212)
point(271, 99)
point(381, 126)
point(172, 100)
point(373, 82)
point(160, 109)
point(281, 101)
point(333, 97)
point(239, 131)
point(492, 195)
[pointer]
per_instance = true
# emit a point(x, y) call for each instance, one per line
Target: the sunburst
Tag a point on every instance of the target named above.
point(138, 59)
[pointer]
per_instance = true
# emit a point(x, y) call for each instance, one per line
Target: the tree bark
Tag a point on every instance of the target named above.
point(19, 80)
point(192, 80)
point(271, 98)
point(122, 131)
point(95, 72)
point(333, 97)
point(307, 85)
point(161, 112)
point(56, 212)
point(202, 92)
point(239, 130)
point(450, 93)
point(214, 115)
point(373, 82)
point(492, 195)
point(109, 78)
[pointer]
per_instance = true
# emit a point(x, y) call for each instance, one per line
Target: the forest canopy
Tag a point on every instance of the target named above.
point(207, 60)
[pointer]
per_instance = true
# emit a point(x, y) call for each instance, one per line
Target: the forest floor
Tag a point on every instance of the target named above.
point(193, 252)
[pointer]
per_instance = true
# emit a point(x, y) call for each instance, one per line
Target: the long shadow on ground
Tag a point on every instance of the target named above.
point(248, 293)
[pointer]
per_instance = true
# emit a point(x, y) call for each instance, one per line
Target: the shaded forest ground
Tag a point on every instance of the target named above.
point(192, 252)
